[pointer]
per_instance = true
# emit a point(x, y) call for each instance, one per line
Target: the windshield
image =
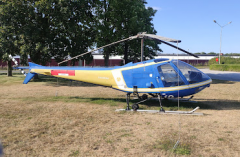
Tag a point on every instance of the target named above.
point(169, 76)
point(192, 74)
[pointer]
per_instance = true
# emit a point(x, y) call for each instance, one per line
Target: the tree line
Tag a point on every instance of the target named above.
point(44, 29)
point(213, 53)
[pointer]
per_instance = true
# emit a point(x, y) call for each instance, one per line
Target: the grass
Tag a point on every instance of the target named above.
point(74, 153)
point(45, 119)
point(225, 60)
point(220, 139)
point(170, 146)
point(225, 67)
point(151, 104)
point(15, 79)
point(201, 66)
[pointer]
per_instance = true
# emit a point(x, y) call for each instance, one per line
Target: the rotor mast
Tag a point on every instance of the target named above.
point(142, 48)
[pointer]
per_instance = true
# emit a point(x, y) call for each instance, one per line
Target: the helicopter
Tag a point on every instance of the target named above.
point(156, 78)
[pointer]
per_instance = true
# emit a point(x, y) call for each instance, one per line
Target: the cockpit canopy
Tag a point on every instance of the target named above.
point(177, 73)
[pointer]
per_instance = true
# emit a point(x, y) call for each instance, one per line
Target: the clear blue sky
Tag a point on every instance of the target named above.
point(192, 22)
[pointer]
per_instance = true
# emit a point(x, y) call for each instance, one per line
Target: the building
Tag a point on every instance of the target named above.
point(98, 60)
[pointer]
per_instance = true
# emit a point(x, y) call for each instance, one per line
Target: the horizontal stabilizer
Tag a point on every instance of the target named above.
point(28, 77)
point(20, 67)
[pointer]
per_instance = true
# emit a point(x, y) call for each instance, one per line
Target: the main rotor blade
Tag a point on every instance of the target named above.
point(142, 35)
point(165, 40)
point(157, 37)
point(191, 54)
point(130, 38)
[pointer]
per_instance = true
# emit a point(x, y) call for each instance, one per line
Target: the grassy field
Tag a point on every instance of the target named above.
point(46, 118)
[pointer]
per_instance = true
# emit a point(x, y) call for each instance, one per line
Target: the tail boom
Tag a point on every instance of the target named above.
point(89, 75)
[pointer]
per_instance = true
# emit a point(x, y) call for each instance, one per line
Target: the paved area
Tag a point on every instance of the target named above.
point(222, 75)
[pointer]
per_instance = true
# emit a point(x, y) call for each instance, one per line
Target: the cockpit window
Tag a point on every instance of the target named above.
point(192, 74)
point(169, 76)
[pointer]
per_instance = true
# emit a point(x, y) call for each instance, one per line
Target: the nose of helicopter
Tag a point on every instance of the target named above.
point(198, 89)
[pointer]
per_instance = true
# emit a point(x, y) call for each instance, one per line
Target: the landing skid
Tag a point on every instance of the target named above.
point(143, 98)
point(167, 112)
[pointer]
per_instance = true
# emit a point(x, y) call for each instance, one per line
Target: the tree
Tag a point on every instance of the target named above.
point(59, 29)
point(45, 29)
point(140, 21)
point(212, 53)
point(121, 19)
point(106, 28)
point(9, 33)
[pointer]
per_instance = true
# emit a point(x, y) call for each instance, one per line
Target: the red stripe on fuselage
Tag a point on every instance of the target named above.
point(63, 72)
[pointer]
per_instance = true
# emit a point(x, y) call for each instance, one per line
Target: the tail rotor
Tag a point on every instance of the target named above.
point(16, 65)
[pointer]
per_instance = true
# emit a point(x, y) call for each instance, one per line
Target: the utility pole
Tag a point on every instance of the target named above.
point(221, 37)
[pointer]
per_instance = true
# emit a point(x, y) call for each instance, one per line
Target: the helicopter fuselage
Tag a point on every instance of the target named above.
point(170, 78)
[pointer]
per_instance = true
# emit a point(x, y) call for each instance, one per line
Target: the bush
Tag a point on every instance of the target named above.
point(225, 67)
point(225, 60)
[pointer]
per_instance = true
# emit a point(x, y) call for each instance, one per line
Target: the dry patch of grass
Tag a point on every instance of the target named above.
point(43, 119)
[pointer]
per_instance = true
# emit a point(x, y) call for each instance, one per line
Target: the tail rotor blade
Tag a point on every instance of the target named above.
point(16, 64)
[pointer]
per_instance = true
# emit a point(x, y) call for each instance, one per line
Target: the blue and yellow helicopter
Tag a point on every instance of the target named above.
point(161, 78)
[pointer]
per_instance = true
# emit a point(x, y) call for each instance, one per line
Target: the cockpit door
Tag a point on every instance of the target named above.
point(167, 76)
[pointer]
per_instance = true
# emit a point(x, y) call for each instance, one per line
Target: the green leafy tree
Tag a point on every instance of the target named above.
point(45, 29)
point(212, 53)
point(106, 26)
point(121, 19)
point(59, 29)
point(9, 32)
point(139, 21)
point(232, 54)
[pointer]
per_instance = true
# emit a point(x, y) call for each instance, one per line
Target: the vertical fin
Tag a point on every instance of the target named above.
point(28, 77)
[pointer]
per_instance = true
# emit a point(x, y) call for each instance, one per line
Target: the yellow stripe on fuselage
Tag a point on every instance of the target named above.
point(102, 77)
point(165, 89)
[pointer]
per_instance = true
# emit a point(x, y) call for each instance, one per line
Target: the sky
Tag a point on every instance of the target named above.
point(191, 21)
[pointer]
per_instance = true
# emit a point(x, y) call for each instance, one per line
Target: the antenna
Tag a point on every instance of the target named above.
point(179, 120)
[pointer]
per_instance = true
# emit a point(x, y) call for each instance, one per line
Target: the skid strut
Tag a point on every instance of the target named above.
point(160, 103)
point(127, 100)
point(161, 111)
point(135, 106)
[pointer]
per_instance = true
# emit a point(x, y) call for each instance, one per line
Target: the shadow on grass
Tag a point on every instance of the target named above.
point(214, 81)
point(5, 74)
point(203, 104)
point(172, 105)
point(220, 104)
point(212, 104)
